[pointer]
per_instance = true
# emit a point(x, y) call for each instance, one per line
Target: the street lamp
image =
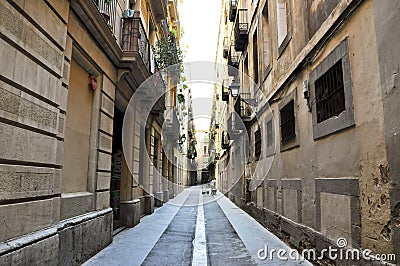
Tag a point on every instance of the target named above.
point(234, 88)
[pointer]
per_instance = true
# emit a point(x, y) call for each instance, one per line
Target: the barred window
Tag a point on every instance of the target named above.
point(255, 57)
point(257, 144)
point(329, 90)
point(269, 134)
point(331, 93)
point(288, 130)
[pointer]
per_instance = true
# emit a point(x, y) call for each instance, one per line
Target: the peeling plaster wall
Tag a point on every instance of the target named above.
point(387, 21)
point(365, 151)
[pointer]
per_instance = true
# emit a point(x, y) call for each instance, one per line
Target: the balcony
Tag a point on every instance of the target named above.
point(226, 47)
point(108, 11)
point(224, 92)
point(134, 42)
point(173, 9)
point(247, 104)
point(241, 30)
point(233, 61)
point(159, 9)
point(225, 141)
point(232, 10)
point(123, 40)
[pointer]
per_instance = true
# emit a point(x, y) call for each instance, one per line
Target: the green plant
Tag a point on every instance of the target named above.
point(192, 153)
point(107, 1)
point(167, 53)
point(185, 86)
point(181, 98)
point(173, 32)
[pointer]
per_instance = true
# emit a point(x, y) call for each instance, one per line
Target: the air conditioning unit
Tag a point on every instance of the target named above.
point(128, 13)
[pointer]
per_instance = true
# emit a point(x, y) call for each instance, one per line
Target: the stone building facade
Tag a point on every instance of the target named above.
point(69, 69)
point(321, 113)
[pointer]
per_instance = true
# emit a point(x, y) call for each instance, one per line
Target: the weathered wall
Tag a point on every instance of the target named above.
point(387, 21)
point(346, 170)
point(318, 12)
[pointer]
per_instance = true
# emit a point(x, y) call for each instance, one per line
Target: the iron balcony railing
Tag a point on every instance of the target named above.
point(233, 58)
point(247, 104)
point(232, 10)
point(224, 91)
point(225, 141)
point(133, 35)
point(241, 30)
point(134, 39)
point(108, 10)
point(233, 61)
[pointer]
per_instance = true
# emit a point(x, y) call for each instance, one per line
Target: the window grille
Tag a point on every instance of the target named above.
point(257, 144)
point(329, 90)
point(288, 130)
point(269, 134)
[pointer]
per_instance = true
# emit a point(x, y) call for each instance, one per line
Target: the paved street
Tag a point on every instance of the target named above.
point(187, 232)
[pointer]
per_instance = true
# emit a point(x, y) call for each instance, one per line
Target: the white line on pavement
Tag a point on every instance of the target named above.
point(200, 245)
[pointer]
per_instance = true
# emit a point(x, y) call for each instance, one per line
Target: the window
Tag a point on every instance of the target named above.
point(282, 23)
point(270, 140)
point(330, 93)
point(288, 130)
point(257, 144)
point(270, 136)
point(255, 58)
point(245, 74)
point(205, 149)
point(265, 41)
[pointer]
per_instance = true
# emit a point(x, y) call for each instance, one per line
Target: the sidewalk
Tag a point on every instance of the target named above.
point(216, 232)
point(131, 246)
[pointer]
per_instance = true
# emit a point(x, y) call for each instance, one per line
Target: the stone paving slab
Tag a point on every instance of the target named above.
point(253, 234)
point(175, 246)
point(224, 246)
point(131, 246)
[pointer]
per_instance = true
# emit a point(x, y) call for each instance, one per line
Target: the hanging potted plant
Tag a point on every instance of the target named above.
point(167, 53)
point(181, 98)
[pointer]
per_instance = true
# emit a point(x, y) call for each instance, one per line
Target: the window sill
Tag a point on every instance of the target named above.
point(334, 124)
point(290, 144)
point(267, 70)
point(284, 44)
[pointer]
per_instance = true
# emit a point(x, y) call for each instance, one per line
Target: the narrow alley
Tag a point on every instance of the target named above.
point(206, 133)
point(194, 229)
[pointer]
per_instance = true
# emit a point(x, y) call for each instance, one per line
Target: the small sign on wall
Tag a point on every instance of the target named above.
point(92, 83)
